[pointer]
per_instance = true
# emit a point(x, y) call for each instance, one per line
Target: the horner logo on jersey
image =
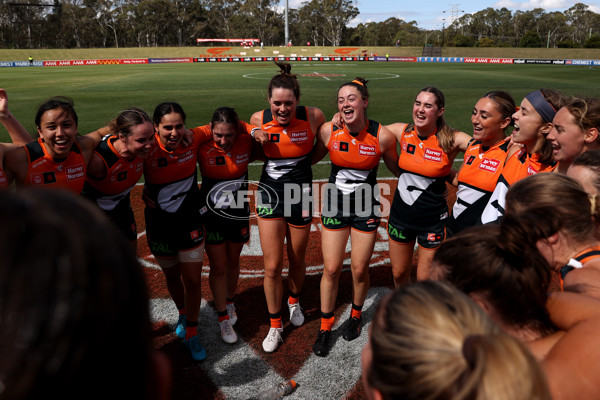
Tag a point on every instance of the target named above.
point(76, 172)
point(241, 158)
point(185, 157)
point(489, 165)
point(298, 137)
point(367, 150)
point(433, 155)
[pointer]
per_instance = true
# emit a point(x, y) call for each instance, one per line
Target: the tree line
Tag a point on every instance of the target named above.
point(152, 23)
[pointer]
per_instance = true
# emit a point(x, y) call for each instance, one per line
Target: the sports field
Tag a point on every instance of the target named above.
point(101, 91)
point(241, 370)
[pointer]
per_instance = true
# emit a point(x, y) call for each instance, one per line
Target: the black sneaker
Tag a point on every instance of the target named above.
point(321, 347)
point(352, 328)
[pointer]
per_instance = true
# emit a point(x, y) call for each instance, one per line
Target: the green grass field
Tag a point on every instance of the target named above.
point(100, 92)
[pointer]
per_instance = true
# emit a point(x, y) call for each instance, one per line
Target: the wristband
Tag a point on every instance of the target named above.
point(253, 130)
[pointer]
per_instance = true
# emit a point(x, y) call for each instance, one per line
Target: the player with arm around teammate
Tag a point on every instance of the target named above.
point(533, 122)
point(419, 209)
point(351, 206)
point(117, 166)
point(174, 228)
point(287, 145)
point(483, 159)
point(59, 157)
point(223, 159)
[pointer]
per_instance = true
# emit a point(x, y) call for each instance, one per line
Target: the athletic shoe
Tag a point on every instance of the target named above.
point(296, 316)
point(232, 314)
point(227, 333)
point(198, 352)
point(180, 328)
point(322, 346)
point(272, 340)
point(352, 328)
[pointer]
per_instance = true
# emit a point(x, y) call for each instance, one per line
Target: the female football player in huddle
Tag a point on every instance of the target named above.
point(351, 206)
point(290, 136)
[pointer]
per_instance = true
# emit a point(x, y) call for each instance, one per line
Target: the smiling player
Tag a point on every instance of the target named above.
point(290, 136)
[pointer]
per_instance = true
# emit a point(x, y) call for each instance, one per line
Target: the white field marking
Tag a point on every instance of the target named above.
point(332, 377)
point(253, 248)
point(323, 76)
point(269, 75)
point(234, 368)
point(240, 373)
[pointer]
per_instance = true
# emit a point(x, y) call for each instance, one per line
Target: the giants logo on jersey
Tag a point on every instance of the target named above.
point(411, 148)
point(470, 160)
point(220, 160)
point(344, 146)
point(274, 138)
point(489, 165)
point(122, 176)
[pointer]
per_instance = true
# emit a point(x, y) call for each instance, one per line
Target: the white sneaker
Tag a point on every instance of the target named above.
point(227, 333)
point(272, 340)
point(232, 314)
point(296, 316)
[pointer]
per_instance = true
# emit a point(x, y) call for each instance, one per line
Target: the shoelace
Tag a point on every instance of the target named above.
point(226, 328)
point(273, 337)
point(295, 309)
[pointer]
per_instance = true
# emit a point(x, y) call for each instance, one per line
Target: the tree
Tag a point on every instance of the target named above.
point(261, 20)
point(220, 15)
point(593, 42)
point(190, 21)
point(463, 41)
point(486, 42)
point(335, 15)
point(579, 18)
point(107, 14)
point(309, 22)
point(531, 39)
point(553, 27)
point(25, 24)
